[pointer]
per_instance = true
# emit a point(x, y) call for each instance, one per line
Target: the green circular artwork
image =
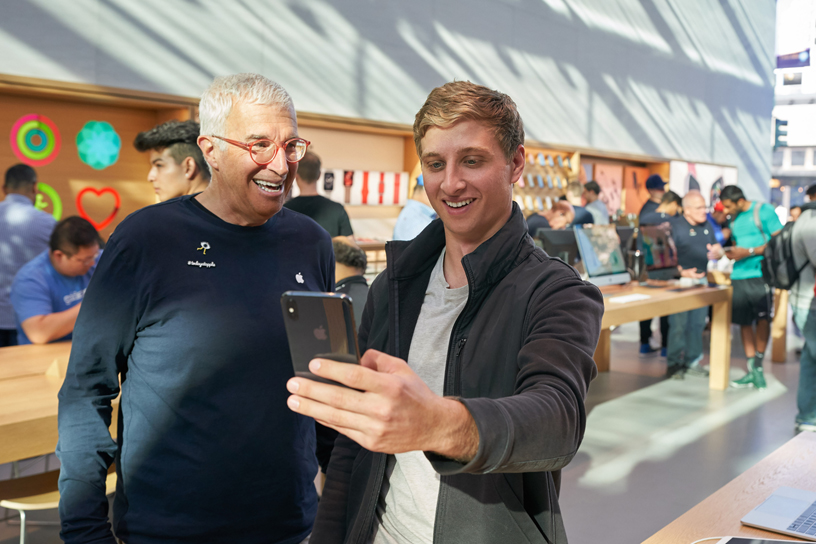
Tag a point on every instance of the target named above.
point(98, 144)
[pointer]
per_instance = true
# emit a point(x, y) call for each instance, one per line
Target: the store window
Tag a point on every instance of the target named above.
point(797, 157)
point(778, 155)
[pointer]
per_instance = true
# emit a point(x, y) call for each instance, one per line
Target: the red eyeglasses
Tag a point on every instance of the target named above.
point(263, 151)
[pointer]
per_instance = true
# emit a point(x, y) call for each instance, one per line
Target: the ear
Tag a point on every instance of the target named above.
point(190, 168)
point(208, 149)
point(517, 164)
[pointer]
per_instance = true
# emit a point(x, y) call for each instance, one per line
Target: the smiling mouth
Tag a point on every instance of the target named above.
point(461, 204)
point(268, 186)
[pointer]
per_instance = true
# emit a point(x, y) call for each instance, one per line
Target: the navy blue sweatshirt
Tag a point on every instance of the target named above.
point(185, 308)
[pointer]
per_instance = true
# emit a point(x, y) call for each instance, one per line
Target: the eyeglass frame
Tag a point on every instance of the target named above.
point(248, 146)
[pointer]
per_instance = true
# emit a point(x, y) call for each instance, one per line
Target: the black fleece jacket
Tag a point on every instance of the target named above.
point(519, 358)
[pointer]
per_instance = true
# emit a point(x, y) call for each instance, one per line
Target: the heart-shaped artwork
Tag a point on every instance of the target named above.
point(100, 192)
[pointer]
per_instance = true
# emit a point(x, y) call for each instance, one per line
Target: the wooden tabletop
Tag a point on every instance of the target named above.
point(792, 465)
point(661, 301)
point(30, 378)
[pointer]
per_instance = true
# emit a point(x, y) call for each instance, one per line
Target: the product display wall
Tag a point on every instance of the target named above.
point(683, 79)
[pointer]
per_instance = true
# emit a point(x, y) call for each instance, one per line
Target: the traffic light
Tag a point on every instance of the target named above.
point(780, 133)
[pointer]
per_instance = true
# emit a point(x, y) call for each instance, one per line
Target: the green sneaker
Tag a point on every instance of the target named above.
point(749, 380)
point(759, 378)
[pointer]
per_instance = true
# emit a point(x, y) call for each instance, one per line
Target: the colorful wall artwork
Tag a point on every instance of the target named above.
point(117, 202)
point(610, 178)
point(54, 203)
point(35, 139)
point(98, 144)
point(709, 179)
point(634, 192)
point(36, 127)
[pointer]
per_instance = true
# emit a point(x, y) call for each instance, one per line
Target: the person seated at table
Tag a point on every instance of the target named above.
point(696, 244)
point(559, 217)
point(47, 292)
point(327, 213)
point(177, 166)
point(349, 266)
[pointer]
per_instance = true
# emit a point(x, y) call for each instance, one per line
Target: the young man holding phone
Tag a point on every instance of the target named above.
point(479, 354)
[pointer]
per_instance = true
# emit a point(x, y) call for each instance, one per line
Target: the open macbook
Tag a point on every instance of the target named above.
point(788, 511)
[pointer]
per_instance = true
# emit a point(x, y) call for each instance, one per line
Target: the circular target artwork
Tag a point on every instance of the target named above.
point(98, 144)
point(35, 139)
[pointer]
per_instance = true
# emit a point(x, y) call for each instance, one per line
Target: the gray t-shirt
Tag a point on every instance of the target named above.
point(804, 250)
point(599, 212)
point(407, 504)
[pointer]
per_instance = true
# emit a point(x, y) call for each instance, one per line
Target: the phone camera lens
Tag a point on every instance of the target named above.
point(291, 309)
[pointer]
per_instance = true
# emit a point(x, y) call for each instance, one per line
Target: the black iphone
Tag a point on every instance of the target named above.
point(319, 325)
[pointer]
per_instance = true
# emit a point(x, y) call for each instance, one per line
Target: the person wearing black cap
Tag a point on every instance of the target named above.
point(657, 188)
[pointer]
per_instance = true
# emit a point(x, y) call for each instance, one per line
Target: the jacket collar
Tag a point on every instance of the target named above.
point(349, 280)
point(488, 264)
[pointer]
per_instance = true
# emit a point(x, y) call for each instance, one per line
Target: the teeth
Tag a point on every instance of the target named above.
point(459, 204)
point(268, 186)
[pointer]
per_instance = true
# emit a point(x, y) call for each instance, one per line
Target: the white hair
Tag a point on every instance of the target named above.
point(218, 99)
point(692, 195)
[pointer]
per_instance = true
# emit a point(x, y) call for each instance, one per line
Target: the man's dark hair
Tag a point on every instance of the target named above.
point(20, 176)
point(670, 197)
point(811, 191)
point(309, 168)
point(732, 193)
point(796, 208)
point(179, 138)
point(73, 233)
point(349, 255)
point(593, 186)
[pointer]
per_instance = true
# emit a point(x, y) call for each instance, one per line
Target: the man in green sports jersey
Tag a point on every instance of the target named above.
point(752, 225)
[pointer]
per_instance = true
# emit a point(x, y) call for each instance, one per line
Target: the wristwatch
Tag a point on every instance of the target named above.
point(750, 251)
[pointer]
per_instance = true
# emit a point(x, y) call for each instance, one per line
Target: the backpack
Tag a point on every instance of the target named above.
point(778, 267)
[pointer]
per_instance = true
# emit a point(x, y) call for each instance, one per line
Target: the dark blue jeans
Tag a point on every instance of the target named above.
point(686, 336)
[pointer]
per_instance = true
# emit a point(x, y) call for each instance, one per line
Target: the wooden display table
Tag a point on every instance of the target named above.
point(792, 465)
point(30, 378)
point(664, 301)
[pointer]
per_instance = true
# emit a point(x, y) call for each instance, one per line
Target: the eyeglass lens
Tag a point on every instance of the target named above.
point(264, 151)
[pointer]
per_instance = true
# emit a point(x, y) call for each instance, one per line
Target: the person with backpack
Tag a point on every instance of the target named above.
point(752, 226)
point(803, 302)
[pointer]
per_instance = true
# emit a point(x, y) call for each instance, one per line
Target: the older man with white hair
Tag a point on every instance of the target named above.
point(184, 312)
point(696, 244)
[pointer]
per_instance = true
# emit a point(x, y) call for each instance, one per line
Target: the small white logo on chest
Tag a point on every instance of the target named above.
point(299, 277)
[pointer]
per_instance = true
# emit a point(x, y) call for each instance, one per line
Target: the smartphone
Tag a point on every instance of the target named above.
point(319, 325)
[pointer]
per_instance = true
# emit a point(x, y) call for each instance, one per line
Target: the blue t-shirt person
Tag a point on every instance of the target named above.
point(38, 289)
